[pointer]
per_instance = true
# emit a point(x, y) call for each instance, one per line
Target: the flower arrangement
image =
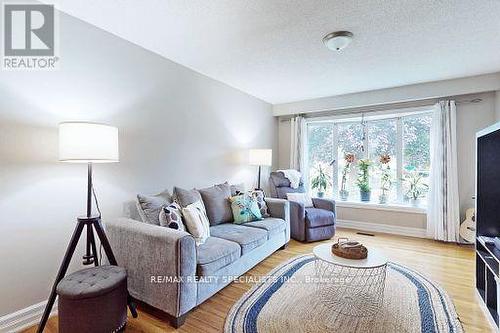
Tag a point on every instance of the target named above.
point(363, 181)
point(385, 179)
point(349, 159)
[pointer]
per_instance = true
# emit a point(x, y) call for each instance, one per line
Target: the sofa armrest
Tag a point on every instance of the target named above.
point(160, 263)
point(326, 204)
point(280, 208)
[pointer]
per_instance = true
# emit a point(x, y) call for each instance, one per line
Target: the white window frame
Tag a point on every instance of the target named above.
point(399, 117)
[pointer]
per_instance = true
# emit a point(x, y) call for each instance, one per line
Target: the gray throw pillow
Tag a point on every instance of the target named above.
point(186, 197)
point(149, 206)
point(217, 204)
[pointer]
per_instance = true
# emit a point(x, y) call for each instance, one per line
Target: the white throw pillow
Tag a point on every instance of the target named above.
point(196, 221)
point(302, 198)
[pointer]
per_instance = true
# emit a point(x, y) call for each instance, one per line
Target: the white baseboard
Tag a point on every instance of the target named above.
point(385, 228)
point(24, 318)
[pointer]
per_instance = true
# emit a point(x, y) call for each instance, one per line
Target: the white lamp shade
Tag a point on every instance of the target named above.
point(261, 157)
point(81, 142)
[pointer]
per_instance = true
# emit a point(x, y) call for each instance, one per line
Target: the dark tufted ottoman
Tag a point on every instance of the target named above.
point(93, 300)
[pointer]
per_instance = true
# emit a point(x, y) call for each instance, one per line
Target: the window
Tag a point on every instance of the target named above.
point(397, 148)
point(350, 141)
point(320, 153)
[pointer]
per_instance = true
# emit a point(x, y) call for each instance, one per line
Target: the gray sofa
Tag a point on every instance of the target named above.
point(167, 271)
point(308, 224)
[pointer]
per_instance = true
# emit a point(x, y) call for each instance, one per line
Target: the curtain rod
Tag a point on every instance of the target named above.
point(383, 107)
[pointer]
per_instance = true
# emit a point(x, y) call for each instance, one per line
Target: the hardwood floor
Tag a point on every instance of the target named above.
point(450, 265)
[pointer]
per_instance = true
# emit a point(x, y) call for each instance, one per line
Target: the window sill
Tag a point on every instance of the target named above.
point(392, 207)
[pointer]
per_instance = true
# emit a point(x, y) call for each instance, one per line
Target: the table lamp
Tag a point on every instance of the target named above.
point(89, 143)
point(261, 157)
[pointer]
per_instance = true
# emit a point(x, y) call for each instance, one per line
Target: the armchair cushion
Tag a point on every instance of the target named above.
point(215, 254)
point(317, 217)
point(247, 237)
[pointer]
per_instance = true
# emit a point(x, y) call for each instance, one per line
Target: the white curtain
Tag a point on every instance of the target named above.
point(297, 146)
point(297, 125)
point(443, 211)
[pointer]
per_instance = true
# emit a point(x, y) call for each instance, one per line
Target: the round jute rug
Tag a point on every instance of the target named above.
point(289, 301)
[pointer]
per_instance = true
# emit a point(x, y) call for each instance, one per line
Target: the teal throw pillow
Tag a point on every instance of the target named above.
point(245, 208)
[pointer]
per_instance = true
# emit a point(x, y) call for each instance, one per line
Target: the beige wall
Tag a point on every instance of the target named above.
point(177, 127)
point(470, 119)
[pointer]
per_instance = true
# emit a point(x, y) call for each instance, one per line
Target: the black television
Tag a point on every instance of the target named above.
point(488, 220)
point(488, 182)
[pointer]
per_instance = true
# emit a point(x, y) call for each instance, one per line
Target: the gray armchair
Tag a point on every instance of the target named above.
point(307, 224)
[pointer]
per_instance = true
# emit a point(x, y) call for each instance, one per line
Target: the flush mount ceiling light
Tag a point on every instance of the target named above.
point(338, 40)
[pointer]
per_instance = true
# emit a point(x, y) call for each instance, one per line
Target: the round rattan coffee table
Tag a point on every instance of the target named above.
point(350, 287)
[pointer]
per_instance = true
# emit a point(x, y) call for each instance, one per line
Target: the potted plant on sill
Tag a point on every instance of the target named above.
point(385, 178)
point(363, 181)
point(321, 181)
point(349, 159)
point(414, 181)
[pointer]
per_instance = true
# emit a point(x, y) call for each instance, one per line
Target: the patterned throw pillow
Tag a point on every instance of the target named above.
point(171, 217)
point(245, 208)
point(260, 197)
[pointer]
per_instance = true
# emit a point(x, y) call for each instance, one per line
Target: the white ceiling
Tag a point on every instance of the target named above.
point(273, 50)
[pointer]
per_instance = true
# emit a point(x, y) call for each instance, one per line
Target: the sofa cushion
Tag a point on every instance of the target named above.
point(217, 205)
point(247, 237)
point(272, 225)
point(186, 197)
point(316, 217)
point(215, 254)
point(149, 206)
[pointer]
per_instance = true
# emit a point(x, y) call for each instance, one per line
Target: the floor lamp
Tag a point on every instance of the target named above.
point(261, 157)
point(89, 143)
